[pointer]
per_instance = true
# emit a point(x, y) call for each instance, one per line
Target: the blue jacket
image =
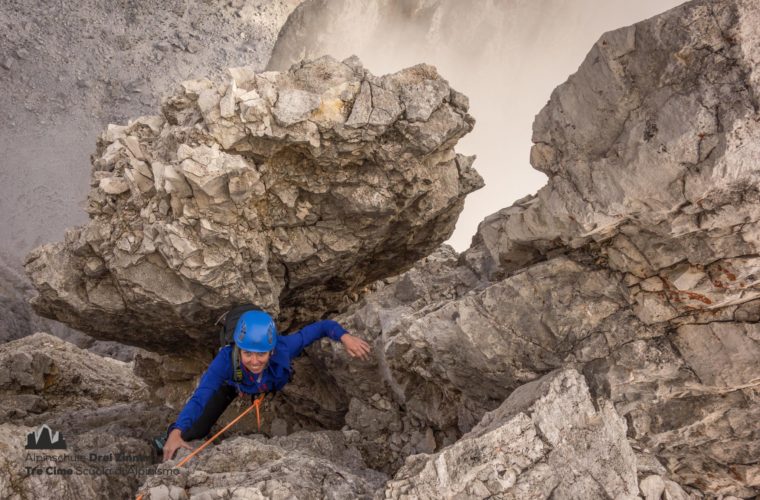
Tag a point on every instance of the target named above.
point(274, 377)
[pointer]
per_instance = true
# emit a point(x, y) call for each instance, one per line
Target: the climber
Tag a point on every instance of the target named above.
point(265, 365)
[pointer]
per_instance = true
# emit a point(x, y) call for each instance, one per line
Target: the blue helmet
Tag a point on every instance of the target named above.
point(255, 331)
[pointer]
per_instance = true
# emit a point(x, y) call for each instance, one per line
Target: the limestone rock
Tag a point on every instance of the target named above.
point(547, 440)
point(449, 348)
point(636, 263)
point(42, 373)
point(673, 491)
point(636, 266)
point(639, 100)
point(170, 378)
point(17, 319)
point(652, 487)
point(365, 393)
point(496, 251)
point(96, 404)
point(114, 185)
point(650, 153)
point(266, 188)
point(303, 465)
point(447, 361)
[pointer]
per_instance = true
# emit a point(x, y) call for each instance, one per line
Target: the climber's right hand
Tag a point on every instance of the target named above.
point(173, 443)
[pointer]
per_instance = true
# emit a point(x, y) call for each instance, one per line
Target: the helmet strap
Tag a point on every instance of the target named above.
point(236, 364)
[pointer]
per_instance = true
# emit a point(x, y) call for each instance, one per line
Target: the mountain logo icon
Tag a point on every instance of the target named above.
point(45, 439)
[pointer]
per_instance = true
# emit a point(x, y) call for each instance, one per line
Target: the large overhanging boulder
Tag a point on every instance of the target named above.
point(283, 189)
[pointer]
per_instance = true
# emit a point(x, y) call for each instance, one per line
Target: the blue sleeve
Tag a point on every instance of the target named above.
point(300, 340)
point(218, 371)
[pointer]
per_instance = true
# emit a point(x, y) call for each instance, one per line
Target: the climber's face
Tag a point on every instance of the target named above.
point(255, 362)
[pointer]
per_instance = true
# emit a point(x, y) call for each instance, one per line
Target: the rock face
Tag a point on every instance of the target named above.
point(97, 404)
point(635, 267)
point(636, 264)
point(284, 189)
point(545, 441)
point(40, 373)
point(651, 149)
point(303, 465)
point(18, 319)
point(369, 395)
point(675, 93)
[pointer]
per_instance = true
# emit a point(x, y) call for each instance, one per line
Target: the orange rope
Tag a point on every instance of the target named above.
point(256, 404)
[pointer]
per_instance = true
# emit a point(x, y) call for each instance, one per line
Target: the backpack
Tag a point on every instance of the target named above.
point(228, 322)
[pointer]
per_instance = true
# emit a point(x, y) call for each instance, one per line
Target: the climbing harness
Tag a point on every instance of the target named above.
point(256, 404)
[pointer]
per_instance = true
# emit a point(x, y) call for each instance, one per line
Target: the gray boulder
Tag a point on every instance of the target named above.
point(288, 190)
point(304, 465)
point(547, 440)
point(42, 373)
point(646, 146)
point(97, 405)
point(650, 149)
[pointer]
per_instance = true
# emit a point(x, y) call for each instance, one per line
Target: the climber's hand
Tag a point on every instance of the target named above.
point(173, 443)
point(355, 347)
